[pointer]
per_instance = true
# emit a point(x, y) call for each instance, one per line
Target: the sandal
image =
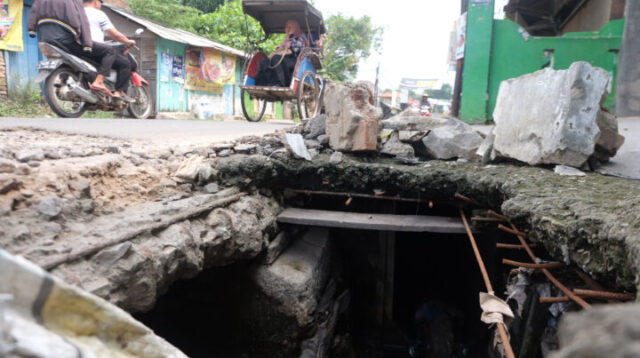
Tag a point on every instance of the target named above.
point(101, 89)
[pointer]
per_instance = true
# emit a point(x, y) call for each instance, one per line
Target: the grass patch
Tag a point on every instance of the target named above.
point(24, 101)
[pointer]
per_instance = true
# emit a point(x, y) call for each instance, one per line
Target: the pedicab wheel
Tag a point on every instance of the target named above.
point(252, 108)
point(142, 108)
point(308, 96)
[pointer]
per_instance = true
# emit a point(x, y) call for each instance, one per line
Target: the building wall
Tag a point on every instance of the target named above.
point(3, 76)
point(21, 67)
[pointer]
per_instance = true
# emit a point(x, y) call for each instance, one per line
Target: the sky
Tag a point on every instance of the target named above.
point(416, 37)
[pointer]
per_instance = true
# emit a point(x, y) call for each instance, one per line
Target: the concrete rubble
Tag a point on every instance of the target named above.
point(559, 122)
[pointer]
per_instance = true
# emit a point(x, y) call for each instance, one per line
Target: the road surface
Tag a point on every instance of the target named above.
point(157, 131)
point(184, 133)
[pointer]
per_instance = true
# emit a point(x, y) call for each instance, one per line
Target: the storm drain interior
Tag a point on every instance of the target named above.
point(411, 294)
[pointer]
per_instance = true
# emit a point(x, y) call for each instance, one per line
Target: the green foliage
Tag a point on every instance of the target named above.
point(348, 41)
point(168, 12)
point(227, 25)
point(446, 92)
point(206, 6)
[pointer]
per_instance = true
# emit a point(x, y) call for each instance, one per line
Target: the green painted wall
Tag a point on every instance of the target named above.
point(497, 50)
point(477, 56)
point(513, 55)
point(170, 94)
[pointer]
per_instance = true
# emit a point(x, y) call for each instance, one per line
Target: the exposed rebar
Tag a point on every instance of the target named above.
point(467, 199)
point(605, 294)
point(502, 331)
point(546, 265)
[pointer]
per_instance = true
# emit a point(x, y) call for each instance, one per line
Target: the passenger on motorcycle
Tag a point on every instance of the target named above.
point(64, 23)
point(99, 23)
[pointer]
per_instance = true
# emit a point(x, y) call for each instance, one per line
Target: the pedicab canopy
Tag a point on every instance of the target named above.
point(273, 14)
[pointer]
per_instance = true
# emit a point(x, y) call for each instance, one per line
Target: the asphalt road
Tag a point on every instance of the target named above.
point(157, 131)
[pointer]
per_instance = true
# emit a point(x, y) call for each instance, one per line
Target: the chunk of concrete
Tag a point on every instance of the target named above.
point(189, 168)
point(601, 332)
point(295, 143)
point(549, 117)
point(296, 278)
point(454, 140)
point(7, 166)
point(411, 120)
point(393, 146)
point(351, 118)
point(315, 127)
point(610, 140)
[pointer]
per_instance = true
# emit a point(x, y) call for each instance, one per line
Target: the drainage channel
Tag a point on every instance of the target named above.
point(362, 275)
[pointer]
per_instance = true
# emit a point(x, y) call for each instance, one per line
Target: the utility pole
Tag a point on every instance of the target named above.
point(375, 89)
point(628, 88)
point(457, 87)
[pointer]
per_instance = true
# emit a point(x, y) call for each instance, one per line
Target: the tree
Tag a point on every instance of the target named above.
point(169, 12)
point(443, 93)
point(206, 6)
point(227, 25)
point(349, 40)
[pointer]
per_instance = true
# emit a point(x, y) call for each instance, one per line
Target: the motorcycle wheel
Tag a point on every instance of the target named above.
point(143, 105)
point(56, 81)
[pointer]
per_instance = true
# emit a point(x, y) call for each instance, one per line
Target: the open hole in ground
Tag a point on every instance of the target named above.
point(347, 292)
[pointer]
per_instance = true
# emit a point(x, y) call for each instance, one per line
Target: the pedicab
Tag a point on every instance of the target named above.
point(306, 87)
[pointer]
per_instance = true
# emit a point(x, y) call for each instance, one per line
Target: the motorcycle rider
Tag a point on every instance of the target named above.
point(100, 24)
point(64, 23)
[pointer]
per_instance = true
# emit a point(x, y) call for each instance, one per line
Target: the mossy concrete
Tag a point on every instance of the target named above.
point(592, 221)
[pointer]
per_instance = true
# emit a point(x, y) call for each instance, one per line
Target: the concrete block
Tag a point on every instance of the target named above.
point(549, 117)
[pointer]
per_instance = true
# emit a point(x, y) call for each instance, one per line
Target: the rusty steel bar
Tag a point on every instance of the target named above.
point(509, 246)
point(486, 219)
point(605, 295)
point(504, 337)
point(498, 216)
point(593, 284)
point(558, 299)
point(551, 278)
point(546, 265)
point(501, 245)
point(467, 199)
point(511, 231)
point(355, 195)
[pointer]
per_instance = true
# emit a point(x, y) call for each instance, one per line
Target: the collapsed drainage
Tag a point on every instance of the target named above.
point(382, 294)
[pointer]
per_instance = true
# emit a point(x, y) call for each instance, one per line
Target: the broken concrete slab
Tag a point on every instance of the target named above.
point(456, 139)
point(549, 117)
point(296, 278)
point(351, 118)
point(7, 166)
point(276, 247)
point(411, 136)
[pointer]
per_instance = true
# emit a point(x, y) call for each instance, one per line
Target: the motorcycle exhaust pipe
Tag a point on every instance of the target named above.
point(83, 94)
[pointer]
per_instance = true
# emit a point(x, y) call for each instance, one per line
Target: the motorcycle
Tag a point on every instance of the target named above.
point(425, 111)
point(66, 84)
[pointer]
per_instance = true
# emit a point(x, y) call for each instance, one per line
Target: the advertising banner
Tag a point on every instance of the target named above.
point(461, 36)
point(11, 25)
point(209, 70)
